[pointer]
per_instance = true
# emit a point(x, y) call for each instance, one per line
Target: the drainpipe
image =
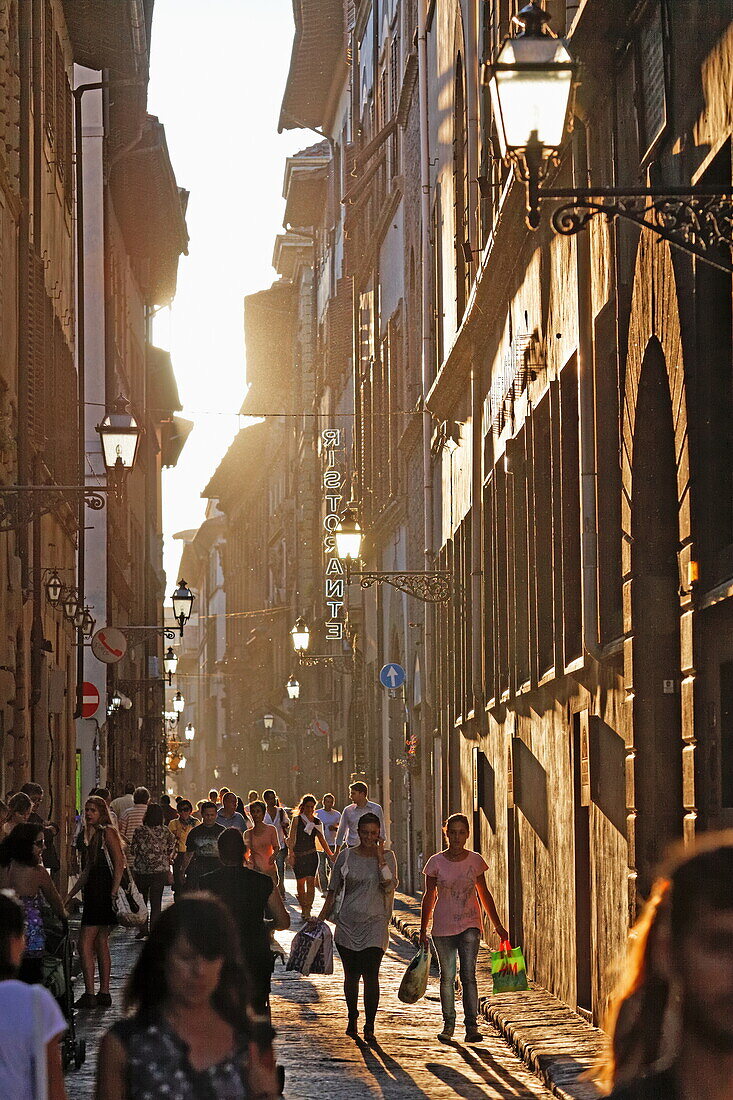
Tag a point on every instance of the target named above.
point(586, 409)
point(425, 358)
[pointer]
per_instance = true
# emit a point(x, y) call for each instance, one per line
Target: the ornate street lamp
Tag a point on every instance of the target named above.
point(170, 663)
point(300, 634)
point(88, 622)
point(182, 600)
point(268, 721)
point(293, 688)
point(116, 700)
point(54, 588)
point(190, 731)
point(179, 703)
point(531, 83)
point(429, 586)
point(71, 604)
point(120, 435)
point(348, 535)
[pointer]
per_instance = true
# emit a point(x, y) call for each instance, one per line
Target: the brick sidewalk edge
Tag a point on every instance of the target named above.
point(552, 1040)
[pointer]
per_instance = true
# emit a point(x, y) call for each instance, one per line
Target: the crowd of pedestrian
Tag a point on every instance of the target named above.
point(198, 999)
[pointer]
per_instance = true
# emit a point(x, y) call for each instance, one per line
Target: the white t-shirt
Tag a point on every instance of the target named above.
point(23, 1032)
point(330, 820)
point(277, 820)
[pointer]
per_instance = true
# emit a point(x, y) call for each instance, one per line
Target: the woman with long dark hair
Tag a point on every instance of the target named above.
point(22, 870)
point(190, 1034)
point(455, 893)
point(364, 879)
point(303, 853)
point(30, 1020)
point(151, 854)
point(100, 880)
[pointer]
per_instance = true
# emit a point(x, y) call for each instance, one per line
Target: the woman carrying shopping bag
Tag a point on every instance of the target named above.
point(360, 895)
point(454, 887)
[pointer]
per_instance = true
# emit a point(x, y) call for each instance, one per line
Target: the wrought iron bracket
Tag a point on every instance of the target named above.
point(330, 660)
point(22, 504)
point(697, 220)
point(164, 631)
point(430, 587)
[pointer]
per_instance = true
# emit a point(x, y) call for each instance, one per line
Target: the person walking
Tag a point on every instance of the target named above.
point(22, 870)
point(202, 854)
point(190, 1034)
point(671, 1019)
point(214, 797)
point(51, 860)
point(329, 819)
point(262, 842)
point(455, 890)
point(278, 816)
point(180, 827)
point(347, 832)
point(256, 906)
point(31, 1021)
point(303, 854)
point(133, 817)
point(169, 812)
point(124, 801)
point(228, 817)
point(151, 854)
point(106, 794)
point(100, 883)
point(365, 879)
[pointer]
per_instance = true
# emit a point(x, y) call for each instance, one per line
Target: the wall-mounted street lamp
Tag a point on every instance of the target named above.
point(182, 600)
point(54, 588)
point(301, 640)
point(531, 84)
point(267, 721)
point(190, 731)
point(429, 586)
point(21, 504)
point(293, 688)
point(170, 663)
point(300, 634)
point(88, 622)
point(179, 703)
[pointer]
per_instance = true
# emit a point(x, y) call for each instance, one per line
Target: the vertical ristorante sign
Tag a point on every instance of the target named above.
point(333, 482)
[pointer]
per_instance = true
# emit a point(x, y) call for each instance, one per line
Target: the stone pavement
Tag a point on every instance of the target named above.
point(408, 1063)
point(551, 1039)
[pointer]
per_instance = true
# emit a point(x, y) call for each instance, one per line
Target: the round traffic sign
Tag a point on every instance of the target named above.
point(89, 700)
point(392, 676)
point(109, 645)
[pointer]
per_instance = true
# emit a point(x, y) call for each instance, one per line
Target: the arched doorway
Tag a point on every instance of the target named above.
point(655, 609)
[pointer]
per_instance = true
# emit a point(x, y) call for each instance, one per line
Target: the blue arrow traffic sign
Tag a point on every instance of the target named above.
point(392, 676)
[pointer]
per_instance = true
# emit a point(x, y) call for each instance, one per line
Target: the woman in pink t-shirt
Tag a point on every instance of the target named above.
point(454, 887)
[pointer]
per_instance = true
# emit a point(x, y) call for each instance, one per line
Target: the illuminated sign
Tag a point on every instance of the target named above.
point(334, 583)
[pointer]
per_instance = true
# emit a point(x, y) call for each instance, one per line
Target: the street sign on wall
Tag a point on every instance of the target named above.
point(109, 645)
point(392, 676)
point(89, 700)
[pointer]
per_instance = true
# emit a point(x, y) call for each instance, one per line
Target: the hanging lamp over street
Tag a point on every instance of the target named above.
point(182, 600)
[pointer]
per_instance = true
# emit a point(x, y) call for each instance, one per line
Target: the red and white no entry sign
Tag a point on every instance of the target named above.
point(89, 700)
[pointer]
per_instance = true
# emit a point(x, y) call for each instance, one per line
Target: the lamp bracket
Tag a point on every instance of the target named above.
point(330, 660)
point(23, 504)
point(697, 220)
point(164, 631)
point(430, 587)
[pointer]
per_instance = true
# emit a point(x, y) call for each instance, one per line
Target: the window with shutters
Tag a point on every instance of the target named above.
point(57, 103)
point(489, 590)
point(543, 533)
point(394, 93)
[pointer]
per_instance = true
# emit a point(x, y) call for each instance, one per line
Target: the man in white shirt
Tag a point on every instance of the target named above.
point(329, 818)
point(347, 831)
point(119, 805)
point(133, 818)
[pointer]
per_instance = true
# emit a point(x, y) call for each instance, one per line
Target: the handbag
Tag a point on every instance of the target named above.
point(415, 979)
point(508, 969)
point(128, 903)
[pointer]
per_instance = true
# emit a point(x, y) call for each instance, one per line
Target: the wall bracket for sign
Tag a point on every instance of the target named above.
point(430, 587)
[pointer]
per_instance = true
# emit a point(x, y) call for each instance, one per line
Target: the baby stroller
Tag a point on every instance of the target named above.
point(57, 978)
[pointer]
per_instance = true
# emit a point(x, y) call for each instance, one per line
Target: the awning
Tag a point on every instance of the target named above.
point(174, 435)
point(318, 56)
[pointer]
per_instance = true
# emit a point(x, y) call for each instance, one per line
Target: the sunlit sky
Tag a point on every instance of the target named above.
point(218, 71)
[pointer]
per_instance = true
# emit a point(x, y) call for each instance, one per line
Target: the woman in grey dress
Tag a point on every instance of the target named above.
point(360, 896)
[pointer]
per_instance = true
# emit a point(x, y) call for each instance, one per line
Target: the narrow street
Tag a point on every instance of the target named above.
point(320, 1061)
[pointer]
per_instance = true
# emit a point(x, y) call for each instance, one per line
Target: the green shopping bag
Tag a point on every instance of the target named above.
point(508, 969)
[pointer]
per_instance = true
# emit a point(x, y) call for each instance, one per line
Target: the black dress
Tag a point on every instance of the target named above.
point(98, 909)
point(245, 893)
point(305, 851)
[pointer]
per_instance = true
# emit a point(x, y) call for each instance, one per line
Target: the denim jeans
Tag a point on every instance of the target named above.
point(464, 947)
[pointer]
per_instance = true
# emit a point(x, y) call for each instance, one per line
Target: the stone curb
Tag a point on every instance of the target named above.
point(552, 1040)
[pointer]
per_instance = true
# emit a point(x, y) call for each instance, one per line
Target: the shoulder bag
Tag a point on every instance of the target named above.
point(128, 903)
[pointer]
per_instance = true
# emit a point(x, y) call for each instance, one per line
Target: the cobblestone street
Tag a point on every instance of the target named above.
point(320, 1060)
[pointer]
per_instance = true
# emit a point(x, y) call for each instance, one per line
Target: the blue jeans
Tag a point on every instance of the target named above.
point(463, 947)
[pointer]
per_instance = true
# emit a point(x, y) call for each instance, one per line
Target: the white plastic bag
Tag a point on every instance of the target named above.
point(415, 979)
